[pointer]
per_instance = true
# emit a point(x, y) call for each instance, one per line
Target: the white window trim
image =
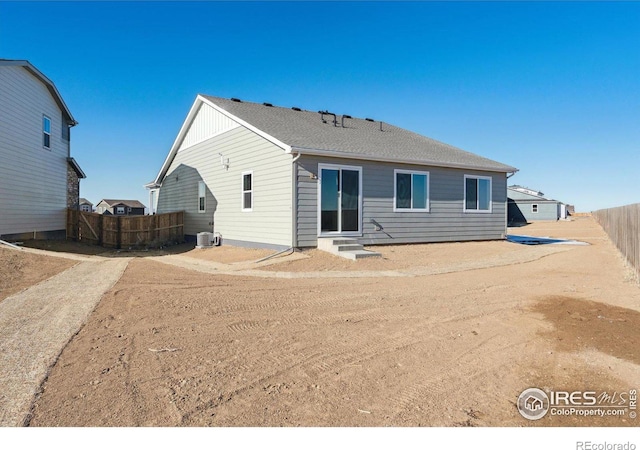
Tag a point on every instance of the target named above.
point(534, 208)
point(464, 190)
point(242, 191)
point(395, 193)
point(48, 133)
point(204, 188)
point(118, 209)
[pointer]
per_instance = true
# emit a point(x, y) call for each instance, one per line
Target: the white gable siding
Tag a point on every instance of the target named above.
point(207, 123)
point(270, 221)
point(33, 179)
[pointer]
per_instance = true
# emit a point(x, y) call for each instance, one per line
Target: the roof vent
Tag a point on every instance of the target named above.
point(268, 104)
point(233, 99)
point(369, 120)
point(295, 108)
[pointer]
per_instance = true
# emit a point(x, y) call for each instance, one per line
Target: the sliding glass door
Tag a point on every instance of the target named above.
point(340, 199)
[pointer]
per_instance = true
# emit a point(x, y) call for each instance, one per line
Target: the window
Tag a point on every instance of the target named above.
point(247, 191)
point(85, 208)
point(411, 191)
point(46, 132)
point(477, 194)
point(534, 208)
point(201, 197)
point(120, 210)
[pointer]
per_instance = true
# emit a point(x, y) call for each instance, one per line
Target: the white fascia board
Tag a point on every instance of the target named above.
point(344, 155)
point(176, 144)
point(268, 137)
point(185, 127)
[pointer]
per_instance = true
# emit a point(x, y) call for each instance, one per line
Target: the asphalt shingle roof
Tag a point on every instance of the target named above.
point(359, 138)
point(129, 203)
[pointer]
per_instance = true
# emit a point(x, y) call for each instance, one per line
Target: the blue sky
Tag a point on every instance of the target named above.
point(551, 88)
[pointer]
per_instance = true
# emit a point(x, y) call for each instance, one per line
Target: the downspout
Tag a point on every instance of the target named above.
point(294, 205)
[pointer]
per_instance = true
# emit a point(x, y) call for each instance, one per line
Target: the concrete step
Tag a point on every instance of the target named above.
point(348, 247)
point(345, 247)
point(359, 254)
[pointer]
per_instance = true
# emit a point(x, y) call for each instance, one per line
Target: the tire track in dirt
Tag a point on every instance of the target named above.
point(456, 372)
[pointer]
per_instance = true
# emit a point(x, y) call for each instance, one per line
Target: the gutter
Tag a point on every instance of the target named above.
point(345, 155)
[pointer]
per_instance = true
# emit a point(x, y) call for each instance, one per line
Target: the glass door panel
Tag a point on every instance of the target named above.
point(330, 194)
point(350, 189)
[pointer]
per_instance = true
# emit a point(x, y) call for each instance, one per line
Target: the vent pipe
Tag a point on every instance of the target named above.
point(335, 119)
point(344, 116)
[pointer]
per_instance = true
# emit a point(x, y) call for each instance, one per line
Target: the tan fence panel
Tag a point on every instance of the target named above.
point(622, 224)
point(90, 228)
point(111, 231)
point(125, 231)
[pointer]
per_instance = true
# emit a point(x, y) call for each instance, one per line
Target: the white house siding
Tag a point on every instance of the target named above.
point(446, 220)
point(270, 222)
point(33, 179)
point(207, 122)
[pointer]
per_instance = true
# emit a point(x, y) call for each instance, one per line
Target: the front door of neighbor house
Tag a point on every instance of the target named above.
point(339, 200)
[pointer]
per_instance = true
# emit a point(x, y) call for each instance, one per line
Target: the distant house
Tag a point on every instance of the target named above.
point(528, 205)
point(269, 176)
point(120, 207)
point(85, 205)
point(38, 177)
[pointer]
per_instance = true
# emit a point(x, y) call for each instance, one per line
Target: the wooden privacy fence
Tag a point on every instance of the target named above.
point(125, 231)
point(622, 224)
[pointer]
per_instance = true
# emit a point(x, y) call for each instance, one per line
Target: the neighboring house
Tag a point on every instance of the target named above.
point(120, 207)
point(85, 205)
point(38, 177)
point(528, 205)
point(283, 177)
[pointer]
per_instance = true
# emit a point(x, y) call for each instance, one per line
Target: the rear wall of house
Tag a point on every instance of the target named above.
point(199, 159)
point(33, 179)
point(445, 221)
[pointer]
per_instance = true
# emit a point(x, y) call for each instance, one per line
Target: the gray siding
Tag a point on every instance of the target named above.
point(33, 180)
point(445, 221)
point(270, 222)
point(521, 210)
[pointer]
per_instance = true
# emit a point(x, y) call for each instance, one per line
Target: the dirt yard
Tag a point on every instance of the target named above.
point(450, 336)
point(19, 270)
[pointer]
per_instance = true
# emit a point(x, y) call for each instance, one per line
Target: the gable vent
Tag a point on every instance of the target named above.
point(295, 108)
point(233, 99)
